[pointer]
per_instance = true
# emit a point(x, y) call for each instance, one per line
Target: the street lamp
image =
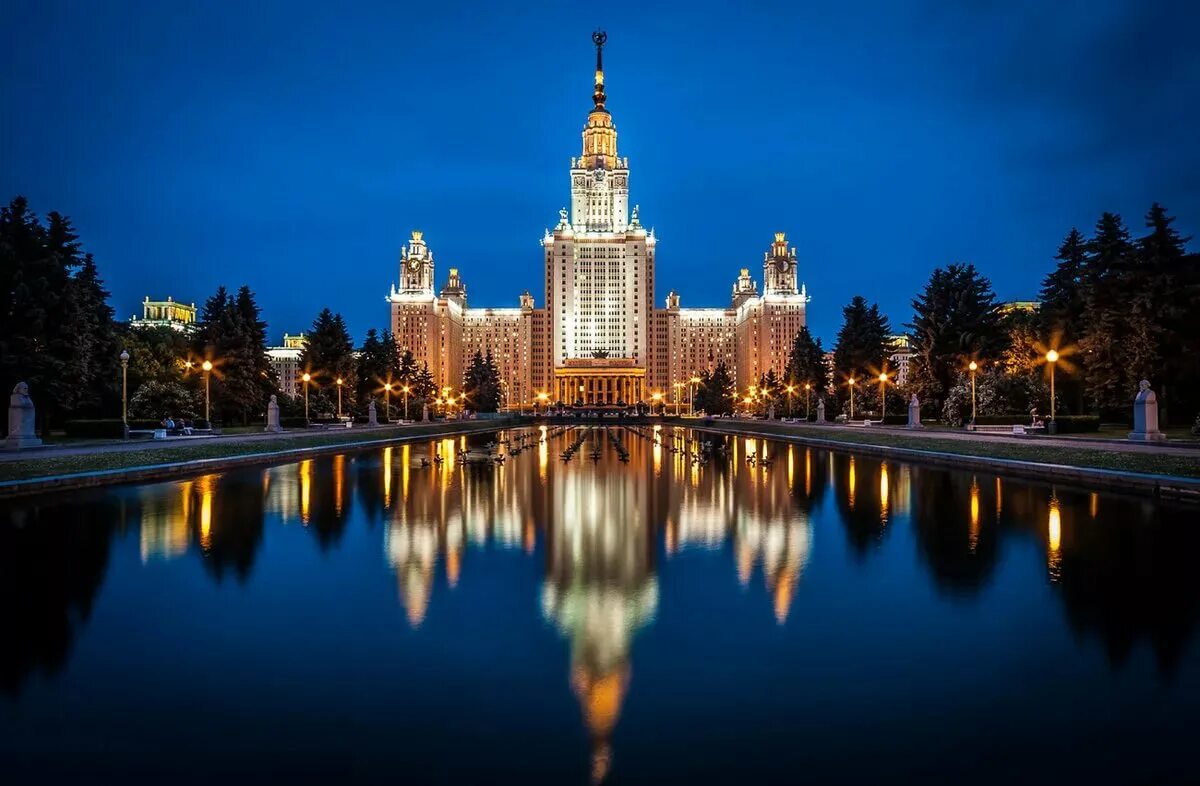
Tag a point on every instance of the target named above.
point(790, 390)
point(882, 396)
point(339, 384)
point(207, 366)
point(542, 397)
point(850, 382)
point(124, 390)
point(406, 389)
point(677, 386)
point(807, 393)
point(973, 367)
point(1052, 358)
point(387, 401)
point(307, 378)
point(692, 394)
point(656, 397)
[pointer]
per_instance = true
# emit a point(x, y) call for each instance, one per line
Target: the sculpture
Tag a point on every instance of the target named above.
point(273, 415)
point(1145, 415)
point(372, 417)
point(914, 412)
point(22, 432)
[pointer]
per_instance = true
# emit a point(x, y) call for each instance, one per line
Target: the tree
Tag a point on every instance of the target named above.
point(863, 345)
point(806, 362)
point(1106, 336)
point(329, 356)
point(714, 393)
point(481, 384)
point(234, 339)
point(1167, 284)
point(56, 328)
point(424, 387)
point(954, 321)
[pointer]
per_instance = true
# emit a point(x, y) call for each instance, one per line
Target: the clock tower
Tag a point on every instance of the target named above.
point(416, 267)
point(599, 178)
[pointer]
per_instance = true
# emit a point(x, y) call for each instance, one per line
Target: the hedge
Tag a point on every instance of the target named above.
point(1067, 424)
point(112, 428)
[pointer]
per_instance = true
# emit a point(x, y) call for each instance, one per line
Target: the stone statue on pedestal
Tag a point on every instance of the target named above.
point(22, 432)
point(1145, 415)
point(273, 415)
point(914, 412)
point(425, 411)
point(821, 410)
point(372, 417)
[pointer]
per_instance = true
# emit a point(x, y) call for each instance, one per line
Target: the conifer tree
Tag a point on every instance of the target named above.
point(1106, 327)
point(806, 362)
point(954, 321)
point(862, 345)
point(481, 384)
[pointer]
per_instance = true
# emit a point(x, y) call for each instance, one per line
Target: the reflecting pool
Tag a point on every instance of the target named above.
point(652, 610)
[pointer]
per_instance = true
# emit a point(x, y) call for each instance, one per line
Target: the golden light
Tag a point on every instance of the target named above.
point(807, 386)
point(406, 388)
point(850, 381)
point(973, 365)
point(883, 377)
point(748, 400)
point(206, 365)
point(656, 396)
point(790, 388)
point(1052, 356)
point(306, 377)
point(339, 380)
point(543, 396)
point(695, 380)
point(387, 386)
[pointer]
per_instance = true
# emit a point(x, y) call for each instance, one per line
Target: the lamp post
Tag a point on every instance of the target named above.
point(692, 394)
point(807, 394)
point(882, 396)
point(850, 382)
point(657, 397)
point(387, 401)
point(307, 378)
point(542, 397)
point(1052, 358)
point(207, 366)
point(124, 390)
point(406, 389)
point(339, 388)
point(973, 367)
point(790, 390)
point(677, 386)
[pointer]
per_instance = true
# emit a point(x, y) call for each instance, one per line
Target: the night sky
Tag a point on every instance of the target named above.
point(293, 146)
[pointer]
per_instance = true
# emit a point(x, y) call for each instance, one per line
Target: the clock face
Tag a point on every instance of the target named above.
point(414, 265)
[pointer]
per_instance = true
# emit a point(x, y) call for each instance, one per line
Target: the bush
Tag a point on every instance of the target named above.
point(1067, 424)
point(107, 428)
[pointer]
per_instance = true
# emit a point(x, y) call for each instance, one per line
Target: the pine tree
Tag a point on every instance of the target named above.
point(862, 345)
point(329, 356)
point(1168, 290)
point(1106, 326)
point(481, 384)
point(954, 321)
point(806, 362)
point(714, 394)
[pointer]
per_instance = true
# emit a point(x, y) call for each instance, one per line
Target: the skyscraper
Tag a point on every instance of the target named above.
point(598, 339)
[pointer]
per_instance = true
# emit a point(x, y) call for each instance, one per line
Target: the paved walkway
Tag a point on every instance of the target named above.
point(52, 450)
point(934, 435)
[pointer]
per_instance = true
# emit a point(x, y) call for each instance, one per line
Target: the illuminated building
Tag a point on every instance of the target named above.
point(285, 362)
point(166, 313)
point(598, 337)
point(900, 347)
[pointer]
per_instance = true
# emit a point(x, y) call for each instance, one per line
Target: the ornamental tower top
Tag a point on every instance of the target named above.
point(599, 178)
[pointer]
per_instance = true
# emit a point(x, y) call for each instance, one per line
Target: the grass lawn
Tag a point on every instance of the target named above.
point(205, 449)
point(1167, 462)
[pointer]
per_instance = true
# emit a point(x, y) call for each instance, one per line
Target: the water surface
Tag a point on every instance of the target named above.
point(381, 617)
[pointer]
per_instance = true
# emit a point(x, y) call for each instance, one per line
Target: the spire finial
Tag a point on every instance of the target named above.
point(598, 38)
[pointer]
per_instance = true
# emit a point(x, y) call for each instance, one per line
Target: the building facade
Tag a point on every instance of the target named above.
point(598, 337)
point(166, 313)
point(285, 362)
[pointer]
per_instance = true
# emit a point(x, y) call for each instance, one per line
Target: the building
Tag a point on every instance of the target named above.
point(901, 353)
point(598, 338)
point(166, 313)
point(285, 362)
point(1018, 306)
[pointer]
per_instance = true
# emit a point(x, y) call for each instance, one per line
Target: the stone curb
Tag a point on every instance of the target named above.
point(1168, 486)
point(152, 472)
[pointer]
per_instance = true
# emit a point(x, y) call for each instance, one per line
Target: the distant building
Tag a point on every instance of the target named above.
point(285, 361)
point(1011, 306)
point(166, 313)
point(901, 348)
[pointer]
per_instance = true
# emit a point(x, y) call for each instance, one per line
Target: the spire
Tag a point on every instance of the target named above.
point(598, 97)
point(599, 135)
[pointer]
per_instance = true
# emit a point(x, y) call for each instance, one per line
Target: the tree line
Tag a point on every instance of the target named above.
point(1115, 308)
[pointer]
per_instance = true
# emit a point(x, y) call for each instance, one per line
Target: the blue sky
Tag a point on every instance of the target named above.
point(293, 146)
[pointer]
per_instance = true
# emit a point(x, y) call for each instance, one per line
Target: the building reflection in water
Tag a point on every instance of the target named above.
point(1121, 568)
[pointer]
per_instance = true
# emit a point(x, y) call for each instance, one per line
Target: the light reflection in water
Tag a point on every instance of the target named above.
point(851, 484)
point(1054, 540)
point(974, 538)
point(305, 470)
point(387, 477)
point(205, 484)
point(883, 493)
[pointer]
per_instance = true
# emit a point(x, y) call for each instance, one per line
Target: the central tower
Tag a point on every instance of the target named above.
point(599, 271)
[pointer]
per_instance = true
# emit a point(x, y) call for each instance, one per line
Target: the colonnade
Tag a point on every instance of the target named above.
point(597, 389)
